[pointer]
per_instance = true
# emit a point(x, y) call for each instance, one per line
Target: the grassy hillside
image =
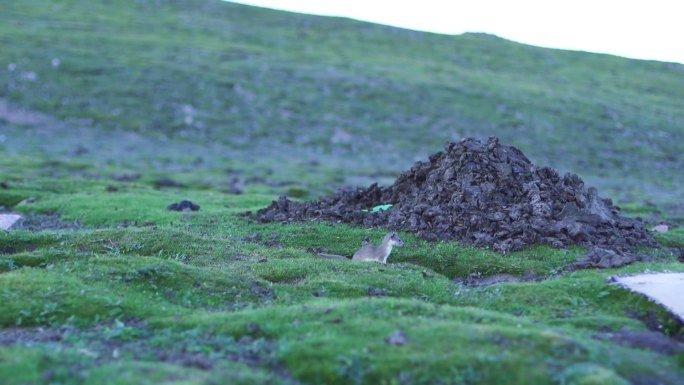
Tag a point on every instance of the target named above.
point(369, 99)
point(112, 110)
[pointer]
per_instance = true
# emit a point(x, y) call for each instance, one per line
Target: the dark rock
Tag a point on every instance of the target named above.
point(236, 186)
point(679, 253)
point(253, 328)
point(184, 205)
point(375, 292)
point(166, 182)
point(604, 258)
point(126, 177)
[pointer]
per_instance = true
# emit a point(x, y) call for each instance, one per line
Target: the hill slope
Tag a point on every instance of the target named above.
point(378, 96)
point(110, 111)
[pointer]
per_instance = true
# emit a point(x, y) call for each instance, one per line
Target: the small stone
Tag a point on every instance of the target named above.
point(7, 221)
point(661, 229)
point(252, 237)
point(253, 328)
point(184, 205)
point(26, 201)
point(375, 292)
point(236, 186)
point(397, 338)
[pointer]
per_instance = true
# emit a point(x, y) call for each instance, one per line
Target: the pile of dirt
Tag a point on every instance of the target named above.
point(484, 194)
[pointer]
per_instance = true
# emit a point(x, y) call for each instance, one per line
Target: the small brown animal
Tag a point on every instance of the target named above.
point(371, 253)
point(380, 253)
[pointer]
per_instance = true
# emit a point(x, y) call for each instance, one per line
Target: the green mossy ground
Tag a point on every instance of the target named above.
point(102, 100)
point(144, 280)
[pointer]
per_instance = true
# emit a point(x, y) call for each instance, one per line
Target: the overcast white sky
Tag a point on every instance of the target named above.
point(651, 29)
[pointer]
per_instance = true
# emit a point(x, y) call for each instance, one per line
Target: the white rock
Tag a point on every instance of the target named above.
point(663, 288)
point(660, 229)
point(9, 220)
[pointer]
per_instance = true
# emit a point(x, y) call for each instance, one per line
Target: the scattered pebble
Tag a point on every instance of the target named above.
point(253, 328)
point(252, 237)
point(29, 75)
point(397, 338)
point(26, 201)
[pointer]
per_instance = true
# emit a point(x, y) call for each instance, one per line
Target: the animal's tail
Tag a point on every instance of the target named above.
point(332, 256)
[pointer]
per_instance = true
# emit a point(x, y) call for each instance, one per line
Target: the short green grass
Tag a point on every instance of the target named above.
point(106, 98)
point(151, 272)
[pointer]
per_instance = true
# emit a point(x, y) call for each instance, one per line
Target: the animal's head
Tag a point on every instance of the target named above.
point(395, 240)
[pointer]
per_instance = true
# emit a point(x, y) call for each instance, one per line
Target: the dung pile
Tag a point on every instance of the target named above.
point(484, 194)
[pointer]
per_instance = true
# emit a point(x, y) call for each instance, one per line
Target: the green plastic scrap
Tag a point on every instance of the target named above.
point(378, 208)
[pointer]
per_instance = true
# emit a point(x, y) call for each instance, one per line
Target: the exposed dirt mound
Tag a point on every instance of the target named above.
point(485, 194)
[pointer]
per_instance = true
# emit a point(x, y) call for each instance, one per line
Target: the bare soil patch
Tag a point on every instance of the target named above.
point(40, 222)
point(651, 340)
point(109, 341)
point(15, 115)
